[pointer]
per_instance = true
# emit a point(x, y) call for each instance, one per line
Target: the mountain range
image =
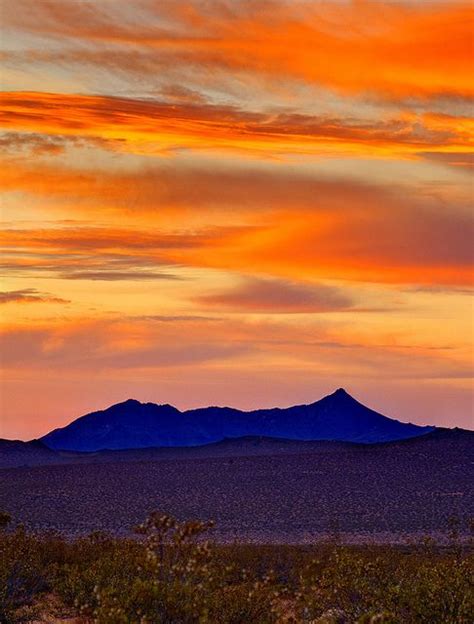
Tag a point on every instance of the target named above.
point(131, 424)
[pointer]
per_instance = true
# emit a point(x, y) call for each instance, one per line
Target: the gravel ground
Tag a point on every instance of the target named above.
point(384, 493)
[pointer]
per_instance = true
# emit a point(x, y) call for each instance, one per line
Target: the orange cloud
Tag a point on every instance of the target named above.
point(392, 244)
point(178, 195)
point(278, 223)
point(94, 253)
point(145, 126)
point(385, 240)
point(141, 343)
point(379, 48)
point(275, 222)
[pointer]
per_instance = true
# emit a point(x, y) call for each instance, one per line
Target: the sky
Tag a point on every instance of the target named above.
point(228, 202)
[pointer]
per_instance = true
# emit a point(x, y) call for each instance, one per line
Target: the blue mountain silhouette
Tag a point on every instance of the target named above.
point(132, 424)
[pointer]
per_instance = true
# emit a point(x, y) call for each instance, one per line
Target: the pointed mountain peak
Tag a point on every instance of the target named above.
point(340, 394)
point(340, 399)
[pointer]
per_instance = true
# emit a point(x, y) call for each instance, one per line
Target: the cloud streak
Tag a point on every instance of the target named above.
point(420, 50)
point(292, 226)
point(29, 295)
point(150, 126)
point(273, 296)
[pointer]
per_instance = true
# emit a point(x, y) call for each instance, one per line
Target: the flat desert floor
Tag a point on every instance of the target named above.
point(257, 491)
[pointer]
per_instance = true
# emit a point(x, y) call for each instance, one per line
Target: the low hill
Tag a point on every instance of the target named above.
point(17, 453)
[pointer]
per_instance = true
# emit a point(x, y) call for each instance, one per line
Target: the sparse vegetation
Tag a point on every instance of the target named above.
point(168, 573)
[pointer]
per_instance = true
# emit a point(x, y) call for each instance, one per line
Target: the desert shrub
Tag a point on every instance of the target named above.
point(344, 587)
point(245, 601)
point(439, 593)
point(180, 579)
point(170, 574)
point(22, 576)
point(387, 585)
point(94, 565)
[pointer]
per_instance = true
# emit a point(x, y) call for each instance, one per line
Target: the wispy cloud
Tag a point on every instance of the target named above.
point(421, 49)
point(29, 295)
point(378, 237)
point(148, 126)
point(274, 296)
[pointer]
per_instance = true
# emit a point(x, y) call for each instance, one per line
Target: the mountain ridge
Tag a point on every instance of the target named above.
point(132, 424)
